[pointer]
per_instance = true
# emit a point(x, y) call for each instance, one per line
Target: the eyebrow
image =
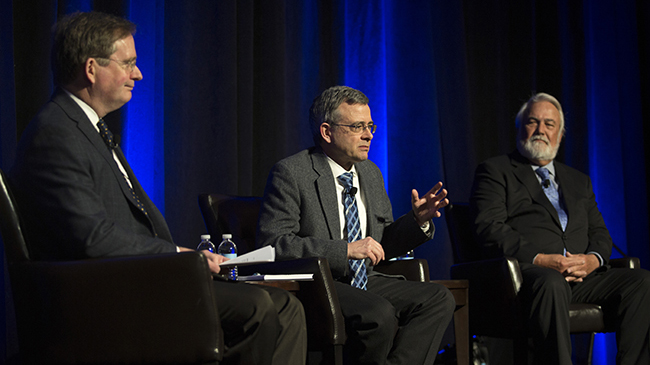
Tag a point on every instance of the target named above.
point(545, 120)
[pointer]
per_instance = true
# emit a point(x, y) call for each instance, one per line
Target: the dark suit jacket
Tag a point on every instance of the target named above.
point(300, 216)
point(73, 200)
point(513, 216)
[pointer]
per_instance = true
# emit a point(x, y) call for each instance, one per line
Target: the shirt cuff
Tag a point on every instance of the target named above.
point(600, 258)
point(426, 227)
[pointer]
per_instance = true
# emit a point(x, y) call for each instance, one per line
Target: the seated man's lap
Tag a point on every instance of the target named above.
point(241, 305)
point(608, 284)
point(390, 299)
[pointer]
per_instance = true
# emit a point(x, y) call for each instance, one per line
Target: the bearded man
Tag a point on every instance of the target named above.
point(528, 206)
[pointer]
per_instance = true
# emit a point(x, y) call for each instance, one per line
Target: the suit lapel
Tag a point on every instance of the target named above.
point(86, 127)
point(526, 176)
point(368, 191)
point(326, 191)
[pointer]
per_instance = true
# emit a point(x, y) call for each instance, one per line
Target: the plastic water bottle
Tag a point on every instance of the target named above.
point(205, 244)
point(228, 249)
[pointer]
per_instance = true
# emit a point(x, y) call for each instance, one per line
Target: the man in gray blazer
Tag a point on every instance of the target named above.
point(330, 201)
point(549, 221)
point(79, 198)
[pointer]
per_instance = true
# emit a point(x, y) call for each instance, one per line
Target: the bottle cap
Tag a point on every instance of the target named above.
point(226, 236)
point(205, 237)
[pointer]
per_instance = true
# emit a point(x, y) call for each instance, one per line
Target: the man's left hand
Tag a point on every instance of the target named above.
point(579, 272)
point(426, 207)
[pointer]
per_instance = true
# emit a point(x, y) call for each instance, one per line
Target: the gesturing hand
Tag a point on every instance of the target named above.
point(426, 207)
point(366, 248)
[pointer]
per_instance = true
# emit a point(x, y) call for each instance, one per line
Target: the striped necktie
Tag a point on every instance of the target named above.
point(357, 267)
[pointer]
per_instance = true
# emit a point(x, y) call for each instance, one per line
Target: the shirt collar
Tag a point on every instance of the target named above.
point(550, 167)
point(337, 170)
point(90, 113)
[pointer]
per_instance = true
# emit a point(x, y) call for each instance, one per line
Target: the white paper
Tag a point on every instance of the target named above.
point(261, 255)
point(276, 277)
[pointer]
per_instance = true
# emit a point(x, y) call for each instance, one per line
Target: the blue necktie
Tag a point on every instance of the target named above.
point(107, 135)
point(357, 267)
point(552, 195)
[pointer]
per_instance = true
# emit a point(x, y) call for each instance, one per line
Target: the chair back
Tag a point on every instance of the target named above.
point(461, 233)
point(231, 214)
point(12, 235)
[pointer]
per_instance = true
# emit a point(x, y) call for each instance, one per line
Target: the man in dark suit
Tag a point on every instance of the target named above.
point(330, 201)
point(79, 198)
point(544, 214)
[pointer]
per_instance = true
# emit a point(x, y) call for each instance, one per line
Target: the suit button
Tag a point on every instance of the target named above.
point(564, 237)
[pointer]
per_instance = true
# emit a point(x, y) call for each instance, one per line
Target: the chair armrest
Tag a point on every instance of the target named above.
point(626, 262)
point(115, 310)
point(325, 324)
point(493, 295)
point(413, 270)
point(501, 274)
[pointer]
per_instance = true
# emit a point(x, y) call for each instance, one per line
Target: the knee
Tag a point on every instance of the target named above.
point(381, 319)
point(642, 279)
point(554, 284)
point(256, 303)
point(441, 300)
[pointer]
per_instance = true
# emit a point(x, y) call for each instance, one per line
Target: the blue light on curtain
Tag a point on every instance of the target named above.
point(614, 121)
point(143, 122)
point(365, 68)
point(72, 6)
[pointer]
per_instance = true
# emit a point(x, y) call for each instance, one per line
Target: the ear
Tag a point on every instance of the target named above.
point(90, 70)
point(326, 132)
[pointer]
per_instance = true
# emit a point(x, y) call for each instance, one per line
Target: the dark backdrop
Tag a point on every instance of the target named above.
point(227, 86)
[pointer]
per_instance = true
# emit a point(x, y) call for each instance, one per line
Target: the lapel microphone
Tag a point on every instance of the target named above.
point(546, 183)
point(352, 191)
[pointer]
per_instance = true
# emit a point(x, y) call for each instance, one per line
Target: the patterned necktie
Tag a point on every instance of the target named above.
point(552, 195)
point(357, 267)
point(110, 142)
point(106, 134)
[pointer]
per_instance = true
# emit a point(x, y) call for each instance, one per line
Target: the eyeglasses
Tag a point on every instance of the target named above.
point(126, 65)
point(359, 128)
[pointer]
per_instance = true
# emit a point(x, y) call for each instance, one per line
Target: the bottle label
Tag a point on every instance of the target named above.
point(230, 255)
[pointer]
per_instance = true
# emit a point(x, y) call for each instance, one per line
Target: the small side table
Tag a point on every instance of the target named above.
point(459, 289)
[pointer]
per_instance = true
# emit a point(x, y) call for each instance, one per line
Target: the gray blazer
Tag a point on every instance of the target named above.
point(73, 200)
point(300, 217)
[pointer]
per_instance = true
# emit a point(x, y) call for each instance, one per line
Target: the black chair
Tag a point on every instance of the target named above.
point(496, 309)
point(140, 309)
point(325, 324)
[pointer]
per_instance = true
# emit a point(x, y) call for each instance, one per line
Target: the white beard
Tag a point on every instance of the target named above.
point(537, 151)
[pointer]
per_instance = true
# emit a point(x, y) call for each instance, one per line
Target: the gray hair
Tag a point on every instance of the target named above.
point(539, 97)
point(325, 106)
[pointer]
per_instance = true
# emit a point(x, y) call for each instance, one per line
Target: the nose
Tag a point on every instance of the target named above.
point(136, 74)
point(367, 134)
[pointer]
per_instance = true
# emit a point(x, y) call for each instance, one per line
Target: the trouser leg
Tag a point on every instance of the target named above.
point(394, 321)
point(423, 310)
point(250, 323)
point(547, 296)
point(291, 346)
point(624, 295)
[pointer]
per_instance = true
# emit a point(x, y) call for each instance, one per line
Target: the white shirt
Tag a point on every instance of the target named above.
point(337, 170)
